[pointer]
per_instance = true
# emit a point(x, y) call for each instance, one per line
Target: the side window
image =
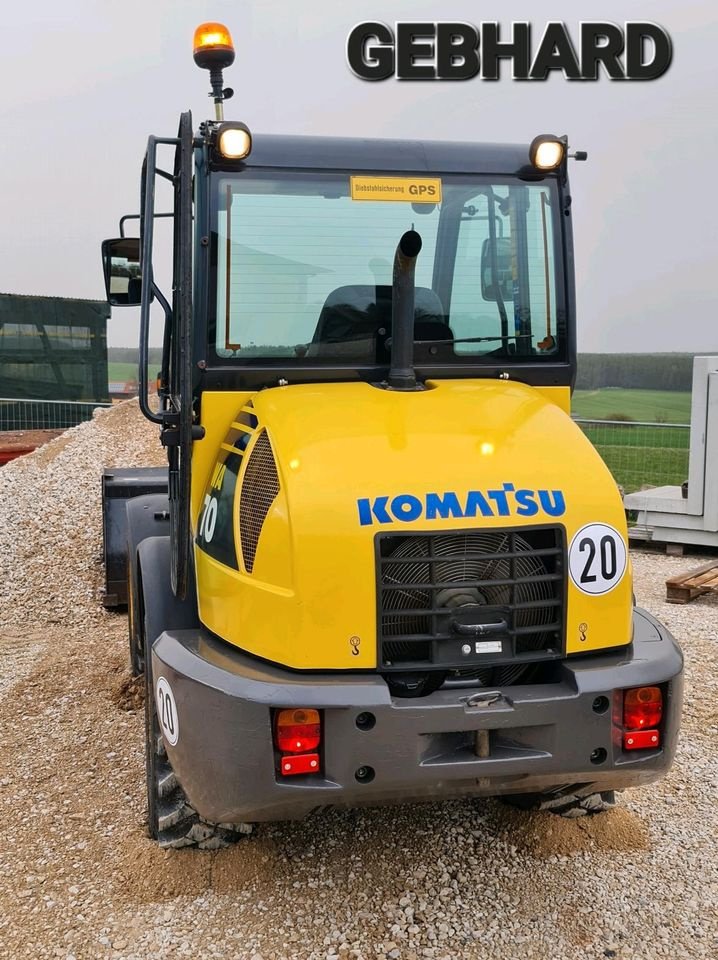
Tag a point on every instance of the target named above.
point(541, 271)
point(472, 315)
point(525, 272)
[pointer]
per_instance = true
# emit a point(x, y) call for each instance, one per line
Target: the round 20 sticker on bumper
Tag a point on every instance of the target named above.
point(597, 558)
point(167, 712)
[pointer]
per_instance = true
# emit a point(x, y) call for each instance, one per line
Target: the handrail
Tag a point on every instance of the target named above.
point(149, 288)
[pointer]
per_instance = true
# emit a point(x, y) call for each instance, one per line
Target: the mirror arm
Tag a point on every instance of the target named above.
point(136, 216)
point(127, 216)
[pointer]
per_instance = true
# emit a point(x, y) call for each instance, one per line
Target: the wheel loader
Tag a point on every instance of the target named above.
point(383, 564)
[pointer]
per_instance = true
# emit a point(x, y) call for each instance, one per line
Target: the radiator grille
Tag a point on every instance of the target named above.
point(500, 591)
point(260, 486)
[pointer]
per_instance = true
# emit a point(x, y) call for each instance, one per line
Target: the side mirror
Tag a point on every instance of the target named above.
point(504, 273)
point(121, 265)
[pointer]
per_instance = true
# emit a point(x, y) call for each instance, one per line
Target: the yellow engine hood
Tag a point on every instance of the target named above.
point(354, 461)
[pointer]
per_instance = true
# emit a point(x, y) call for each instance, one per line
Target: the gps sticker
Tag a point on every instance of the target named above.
point(406, 189)
point(597, 558)
point(167, 712)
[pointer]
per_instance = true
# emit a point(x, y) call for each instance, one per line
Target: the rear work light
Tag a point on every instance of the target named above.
point(297, 731)
point(642, 708)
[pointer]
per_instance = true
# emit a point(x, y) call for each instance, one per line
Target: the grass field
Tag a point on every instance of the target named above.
point(638, 456)
point(121, 371)
point(659, 406)
point(641, 456)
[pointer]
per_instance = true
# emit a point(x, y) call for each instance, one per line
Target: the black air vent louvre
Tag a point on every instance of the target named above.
point(260, 486)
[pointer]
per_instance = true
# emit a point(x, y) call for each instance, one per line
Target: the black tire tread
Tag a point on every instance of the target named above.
point(567, 804)
point(171, 820)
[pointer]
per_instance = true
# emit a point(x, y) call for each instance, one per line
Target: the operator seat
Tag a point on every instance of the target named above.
point(355, 322)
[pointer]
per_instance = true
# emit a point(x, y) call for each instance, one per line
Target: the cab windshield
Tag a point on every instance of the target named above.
point(304, 270)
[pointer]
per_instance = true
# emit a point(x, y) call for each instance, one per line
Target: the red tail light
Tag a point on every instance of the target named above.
point(642, 708)
point(297, 731)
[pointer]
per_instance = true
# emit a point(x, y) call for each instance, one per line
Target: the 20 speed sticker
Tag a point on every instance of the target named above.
point(167, 712)
point(597, 558)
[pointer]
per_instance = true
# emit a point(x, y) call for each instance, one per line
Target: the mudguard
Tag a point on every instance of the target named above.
point(119, 487)
point(146, 516)
point(161, 608)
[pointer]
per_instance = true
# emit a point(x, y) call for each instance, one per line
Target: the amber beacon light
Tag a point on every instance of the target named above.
point(213, 50)
point(213, 46)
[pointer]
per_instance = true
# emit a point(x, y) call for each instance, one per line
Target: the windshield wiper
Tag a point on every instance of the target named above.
point(512, 336)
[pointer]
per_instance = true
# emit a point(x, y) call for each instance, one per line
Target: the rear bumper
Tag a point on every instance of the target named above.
point(540, 737)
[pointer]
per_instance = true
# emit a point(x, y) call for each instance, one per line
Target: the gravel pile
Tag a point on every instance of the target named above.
point(454, 881)
point(51, 516)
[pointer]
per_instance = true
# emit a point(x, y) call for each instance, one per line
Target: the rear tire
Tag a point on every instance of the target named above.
point(134, 621)
point(564, 804)
point(171, 820)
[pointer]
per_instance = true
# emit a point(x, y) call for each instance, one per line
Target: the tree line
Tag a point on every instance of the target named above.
point(644, 371)
point(132, 355)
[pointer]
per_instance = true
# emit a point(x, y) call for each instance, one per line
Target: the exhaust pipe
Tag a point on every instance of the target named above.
point(402, 375)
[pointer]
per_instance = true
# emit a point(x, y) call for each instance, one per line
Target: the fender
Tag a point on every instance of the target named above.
point(161, 608)
point(119, 486)
point(146, 516)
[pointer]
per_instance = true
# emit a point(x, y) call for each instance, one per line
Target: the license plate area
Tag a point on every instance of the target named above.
point(472, 650)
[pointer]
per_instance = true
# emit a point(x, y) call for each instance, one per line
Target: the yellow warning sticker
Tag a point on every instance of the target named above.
point(408, 189)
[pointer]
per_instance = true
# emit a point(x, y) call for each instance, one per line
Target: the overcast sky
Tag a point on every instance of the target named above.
point(83, 83)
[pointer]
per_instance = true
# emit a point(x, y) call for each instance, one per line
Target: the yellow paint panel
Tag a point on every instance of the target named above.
point(218, 411)
point(311, 600)
point(406, 189)
point(561, 396)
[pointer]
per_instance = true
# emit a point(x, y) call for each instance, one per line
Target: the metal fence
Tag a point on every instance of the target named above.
point(641, 454)
point(45, 414)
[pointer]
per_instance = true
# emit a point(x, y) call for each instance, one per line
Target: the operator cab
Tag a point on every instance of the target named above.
point(300, 259)
point(284, 248)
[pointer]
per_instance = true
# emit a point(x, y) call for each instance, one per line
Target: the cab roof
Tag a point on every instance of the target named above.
point(415, 156)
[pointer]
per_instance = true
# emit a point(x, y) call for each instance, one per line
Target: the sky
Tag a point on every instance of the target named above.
point(84, 83)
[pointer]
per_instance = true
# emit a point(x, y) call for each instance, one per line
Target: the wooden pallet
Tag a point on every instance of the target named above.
point(687, 586)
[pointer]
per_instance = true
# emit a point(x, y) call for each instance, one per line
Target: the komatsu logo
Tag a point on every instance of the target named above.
point(505, 501)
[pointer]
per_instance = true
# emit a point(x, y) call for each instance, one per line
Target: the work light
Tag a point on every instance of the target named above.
point(234, 141)
point(547, 152)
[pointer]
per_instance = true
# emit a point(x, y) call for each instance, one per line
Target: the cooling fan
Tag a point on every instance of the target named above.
point(469, 558)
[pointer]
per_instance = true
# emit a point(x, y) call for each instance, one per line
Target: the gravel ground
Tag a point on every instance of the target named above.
point(469, 879)
point(51, 517)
